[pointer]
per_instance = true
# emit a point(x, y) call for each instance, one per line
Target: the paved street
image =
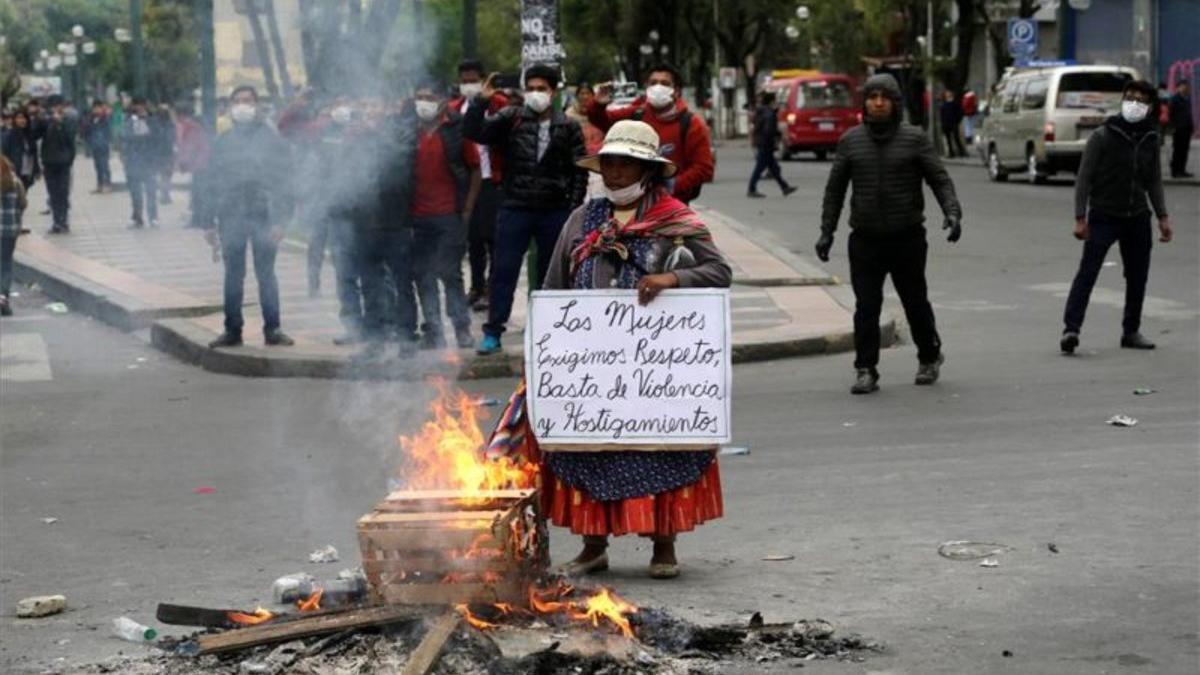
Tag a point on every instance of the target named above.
point(112, 438)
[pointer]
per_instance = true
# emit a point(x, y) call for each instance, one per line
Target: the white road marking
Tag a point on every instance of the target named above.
point(1155, 308)
point(24, 358)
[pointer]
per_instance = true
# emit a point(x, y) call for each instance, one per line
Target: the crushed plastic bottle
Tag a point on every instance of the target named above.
point(128, 629)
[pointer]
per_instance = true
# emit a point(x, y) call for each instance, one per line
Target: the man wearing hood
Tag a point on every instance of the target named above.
point(247, 199)
point(1119, 171)
point(886, 160)
point(684, 136)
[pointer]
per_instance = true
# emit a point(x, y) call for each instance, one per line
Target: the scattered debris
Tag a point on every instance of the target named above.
point(1006, 654)
point(41, 605)
point(1122, 421)
point(778, 557)
point(815, 629)
point(1144, 391)
point(733, 450)
point(49, 521)
point(1053, 547)
point(969, 550)
point(292, 587)
point(205, 490)
point(328, 554)
point(989, 562)
point(58, 307)
point(849, 424)
point(128, 629)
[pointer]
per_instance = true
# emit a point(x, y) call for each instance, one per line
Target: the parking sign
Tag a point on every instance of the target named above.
point(1022, 38)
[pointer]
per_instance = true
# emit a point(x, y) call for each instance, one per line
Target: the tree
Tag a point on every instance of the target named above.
point(172, 60)
point(285, 78)
point(263, 51)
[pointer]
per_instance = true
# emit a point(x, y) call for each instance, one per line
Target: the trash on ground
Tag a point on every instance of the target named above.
point(733, 450)
point(41, 605)
point(1006, 654)
point(324, 555)
point(813, 629)
point(58, 307)
point(1122, 421)
point(1053, 547)
point(989, 562)
point(205, 490)
point(1144, 391)
point(49, 521)
point(969, 550)
point(128, 629)
point(778, 557)
point(849, 424)
point(292, 587)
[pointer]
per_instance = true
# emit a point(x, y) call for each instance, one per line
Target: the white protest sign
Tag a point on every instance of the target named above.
point(603, 372)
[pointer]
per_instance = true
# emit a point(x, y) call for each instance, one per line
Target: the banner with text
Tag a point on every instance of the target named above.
point(603, 372)
point(539, 33)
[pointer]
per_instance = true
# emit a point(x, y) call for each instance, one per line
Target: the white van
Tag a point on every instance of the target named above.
point(1039, 119)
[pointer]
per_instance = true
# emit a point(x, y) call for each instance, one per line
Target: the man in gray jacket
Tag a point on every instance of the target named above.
point(887, 160)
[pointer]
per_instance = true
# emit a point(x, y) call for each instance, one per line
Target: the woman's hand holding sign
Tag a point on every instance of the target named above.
point(651, 285)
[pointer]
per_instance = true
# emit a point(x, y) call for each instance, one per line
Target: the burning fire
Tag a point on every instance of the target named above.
point(447, 452)
point(241, 618)
point(312, 603)
point(601, 605)
point(474, 620)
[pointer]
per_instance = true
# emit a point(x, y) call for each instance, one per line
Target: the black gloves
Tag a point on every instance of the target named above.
point(952, 223)
point(823, 245)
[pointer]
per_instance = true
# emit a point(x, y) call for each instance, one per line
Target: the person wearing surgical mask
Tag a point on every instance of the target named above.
point(245, 199)
point(1119, 182)
point(686, 140)
point(538, 146)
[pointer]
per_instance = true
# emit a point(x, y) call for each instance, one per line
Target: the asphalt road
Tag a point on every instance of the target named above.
point(111, 438)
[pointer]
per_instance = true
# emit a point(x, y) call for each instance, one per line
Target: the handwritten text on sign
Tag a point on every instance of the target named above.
point(602, 369)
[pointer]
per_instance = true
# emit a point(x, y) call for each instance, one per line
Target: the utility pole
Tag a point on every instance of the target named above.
point(717, 93)
point(933, 134)
point(208, 65)
point(139, 56)
point(470, 30)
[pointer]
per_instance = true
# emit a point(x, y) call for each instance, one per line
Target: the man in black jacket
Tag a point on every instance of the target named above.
point(1119, 170)
point(139, 147)
point(542, 185)
point(58, 155)
point(1179, 110)
point(765, 137)
point(887, 160)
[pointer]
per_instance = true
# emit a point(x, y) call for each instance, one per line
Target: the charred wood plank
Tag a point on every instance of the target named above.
point(268, 633)
point(423, 658)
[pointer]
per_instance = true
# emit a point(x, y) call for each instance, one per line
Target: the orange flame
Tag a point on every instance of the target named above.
point(243, 619)
point(603, 605)
point(447, 451)
point(312, 603)
point(474, 620)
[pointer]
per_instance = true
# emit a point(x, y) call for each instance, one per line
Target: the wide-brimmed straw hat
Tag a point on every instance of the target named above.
point(630, 138)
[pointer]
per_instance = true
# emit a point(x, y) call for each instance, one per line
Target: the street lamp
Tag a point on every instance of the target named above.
point(802, 14)
point(77, 31)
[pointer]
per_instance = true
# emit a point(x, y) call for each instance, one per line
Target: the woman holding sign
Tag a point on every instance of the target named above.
point(636, 236)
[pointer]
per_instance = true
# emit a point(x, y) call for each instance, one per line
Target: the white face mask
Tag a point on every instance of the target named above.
point(242, 112)
point(342, 114)
point(1134, 111)
point(626, 195)
point(427, 110)
point(470, 89)
point(660, 95)
point(537, 101)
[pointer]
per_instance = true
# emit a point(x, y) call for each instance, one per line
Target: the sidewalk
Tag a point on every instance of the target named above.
point(165, 279)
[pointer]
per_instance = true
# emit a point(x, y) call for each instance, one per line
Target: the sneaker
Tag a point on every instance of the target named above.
point(756, 195)
point(1136, 341)
point(1069, 341)
point(226, 339)
point(277, 338)
point(136, 224)
point(789, 189)
point(463, 337)
point(475, 295)
point(490, 344)
point(433, 341)
point(866, 381)
point(927, 373)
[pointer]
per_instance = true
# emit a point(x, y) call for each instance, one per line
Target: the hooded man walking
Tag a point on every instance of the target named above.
point(886, 160)
point(1120, 169)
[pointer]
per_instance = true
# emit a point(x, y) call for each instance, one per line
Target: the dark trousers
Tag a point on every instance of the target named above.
point(903, 256)
point(143, 190)
point(387, 253)
point(100, 155)
point(954, 144)
point(515, 229)
point(318, 241)
point(1181, 142)
point(481, 233)
point(439, 243)
point(7, 246)
point(1134, 236)
point(346, 255)
point(764, 160)
point(58, 186)
point(236, 237)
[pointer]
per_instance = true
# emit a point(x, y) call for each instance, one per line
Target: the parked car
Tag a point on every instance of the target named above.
point(815, 110)
point(1038, 119)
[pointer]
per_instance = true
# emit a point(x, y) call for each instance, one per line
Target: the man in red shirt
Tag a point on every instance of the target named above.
point(446, 184)
point(684, 137)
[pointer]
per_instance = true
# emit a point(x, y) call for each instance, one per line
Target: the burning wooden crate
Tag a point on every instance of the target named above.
point(448, 547)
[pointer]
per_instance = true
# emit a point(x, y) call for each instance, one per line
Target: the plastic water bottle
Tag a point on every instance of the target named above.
point(128, 629)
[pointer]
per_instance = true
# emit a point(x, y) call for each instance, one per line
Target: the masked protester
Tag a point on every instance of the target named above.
point(1119, 171)
point(58, 156)
point(637, 236)
point(886, 161)
point(1179, 115)
point(481, 230)
point(247, 199)
point(765, 137)
point(539, 146)
point(140, 146)
point(685, 137)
